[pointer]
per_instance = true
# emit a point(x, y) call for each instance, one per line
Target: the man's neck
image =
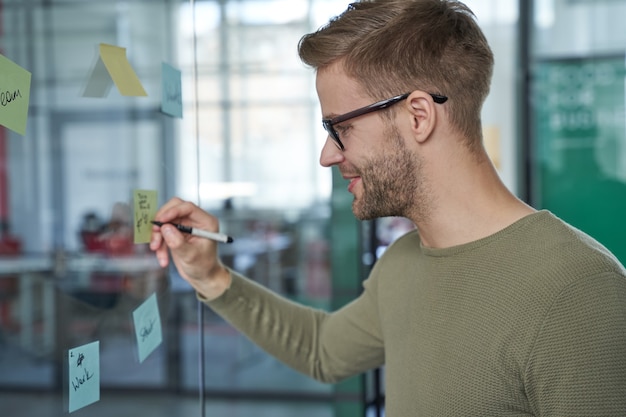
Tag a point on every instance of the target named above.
point(469, 205)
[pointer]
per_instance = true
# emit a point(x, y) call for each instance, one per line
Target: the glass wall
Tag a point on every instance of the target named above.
point(74, 283)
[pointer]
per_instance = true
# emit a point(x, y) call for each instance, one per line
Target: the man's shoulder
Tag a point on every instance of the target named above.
point(566, 243)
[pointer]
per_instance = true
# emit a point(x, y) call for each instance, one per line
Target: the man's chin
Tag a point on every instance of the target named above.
point(360, 213)
point(367, 213)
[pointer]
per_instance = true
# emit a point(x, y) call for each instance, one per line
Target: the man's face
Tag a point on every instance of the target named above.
point(384, 173)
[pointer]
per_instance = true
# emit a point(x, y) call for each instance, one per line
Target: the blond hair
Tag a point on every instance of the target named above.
point(392, 47)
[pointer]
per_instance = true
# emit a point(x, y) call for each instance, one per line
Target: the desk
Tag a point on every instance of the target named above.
point(101, 263)
point(70, 273)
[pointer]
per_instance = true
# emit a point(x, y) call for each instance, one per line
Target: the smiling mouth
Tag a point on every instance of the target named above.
point(353, 182)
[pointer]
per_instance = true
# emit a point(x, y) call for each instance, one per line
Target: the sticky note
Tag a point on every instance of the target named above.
point(14, 95)
point(100, 82)
point(148, 330)
point(84, 375)
point(119, 70)
point(171, 91)
point(145, 209)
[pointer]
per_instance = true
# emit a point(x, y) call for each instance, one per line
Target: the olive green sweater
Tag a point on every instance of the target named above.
point(530, 321)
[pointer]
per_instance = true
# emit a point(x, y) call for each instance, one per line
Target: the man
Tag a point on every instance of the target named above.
point(489, 308)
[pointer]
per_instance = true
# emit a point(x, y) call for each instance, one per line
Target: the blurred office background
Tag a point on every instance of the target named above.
point(247, 150)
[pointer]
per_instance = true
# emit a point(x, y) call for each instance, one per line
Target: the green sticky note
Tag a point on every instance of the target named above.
point(171, 91)
point(122, 73)
point(84, 375)
point(147, 323)
point(14, 95)
point(145, 209)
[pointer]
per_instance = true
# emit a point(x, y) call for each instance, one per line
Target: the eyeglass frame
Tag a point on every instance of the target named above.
point(379, 105)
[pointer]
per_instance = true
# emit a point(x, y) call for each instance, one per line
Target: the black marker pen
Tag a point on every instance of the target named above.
point(218, 237)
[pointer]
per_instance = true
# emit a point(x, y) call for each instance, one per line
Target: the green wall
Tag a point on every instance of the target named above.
point(580, 145)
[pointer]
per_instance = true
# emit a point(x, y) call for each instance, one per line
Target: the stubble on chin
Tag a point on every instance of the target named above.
point(392, 185)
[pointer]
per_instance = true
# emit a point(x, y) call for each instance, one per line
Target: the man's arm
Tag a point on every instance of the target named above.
point(326, 346)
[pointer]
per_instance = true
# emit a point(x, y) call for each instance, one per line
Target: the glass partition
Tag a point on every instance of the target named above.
point(73, 280)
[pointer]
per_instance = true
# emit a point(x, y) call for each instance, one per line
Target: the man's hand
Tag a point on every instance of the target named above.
point(195, 257)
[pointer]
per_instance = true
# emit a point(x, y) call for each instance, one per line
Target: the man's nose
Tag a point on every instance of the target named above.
point(331, 154)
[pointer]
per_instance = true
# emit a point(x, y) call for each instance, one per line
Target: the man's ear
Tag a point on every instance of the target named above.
point(423, 115)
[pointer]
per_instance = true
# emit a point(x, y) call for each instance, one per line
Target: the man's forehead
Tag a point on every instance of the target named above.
point(333, 84)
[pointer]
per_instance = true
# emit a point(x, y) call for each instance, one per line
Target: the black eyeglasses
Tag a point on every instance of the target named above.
point(379, 105)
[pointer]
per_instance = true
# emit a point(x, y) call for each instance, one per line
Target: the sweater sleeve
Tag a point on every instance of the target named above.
point(578, 363)
point(326, 346)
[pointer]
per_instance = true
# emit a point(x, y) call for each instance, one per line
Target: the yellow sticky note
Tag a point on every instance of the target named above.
point(145, 209)
point(122, 73)
point(14, 95)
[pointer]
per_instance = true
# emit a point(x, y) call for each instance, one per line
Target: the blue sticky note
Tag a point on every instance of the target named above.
point(84, 375)
point(147, 323)
point(172, 95)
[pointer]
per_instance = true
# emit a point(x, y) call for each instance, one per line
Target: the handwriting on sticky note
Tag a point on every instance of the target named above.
point(148, 330)
point(145, 209)
point(14, 95)
point(84, 375)
point(7, 97)
point(172, 96)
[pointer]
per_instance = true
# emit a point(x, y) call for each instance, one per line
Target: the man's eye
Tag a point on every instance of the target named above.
point(342, 129)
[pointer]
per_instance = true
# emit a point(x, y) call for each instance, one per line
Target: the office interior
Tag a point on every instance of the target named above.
point(246, 149)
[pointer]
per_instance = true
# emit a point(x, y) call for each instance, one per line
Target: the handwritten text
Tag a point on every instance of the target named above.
point(146, 330)
point(82, 379)
point(6, 97)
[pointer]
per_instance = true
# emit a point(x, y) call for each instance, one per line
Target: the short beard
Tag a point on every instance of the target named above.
point(393, 184)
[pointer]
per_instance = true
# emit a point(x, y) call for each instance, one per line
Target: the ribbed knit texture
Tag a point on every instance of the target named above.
point(530, 321)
